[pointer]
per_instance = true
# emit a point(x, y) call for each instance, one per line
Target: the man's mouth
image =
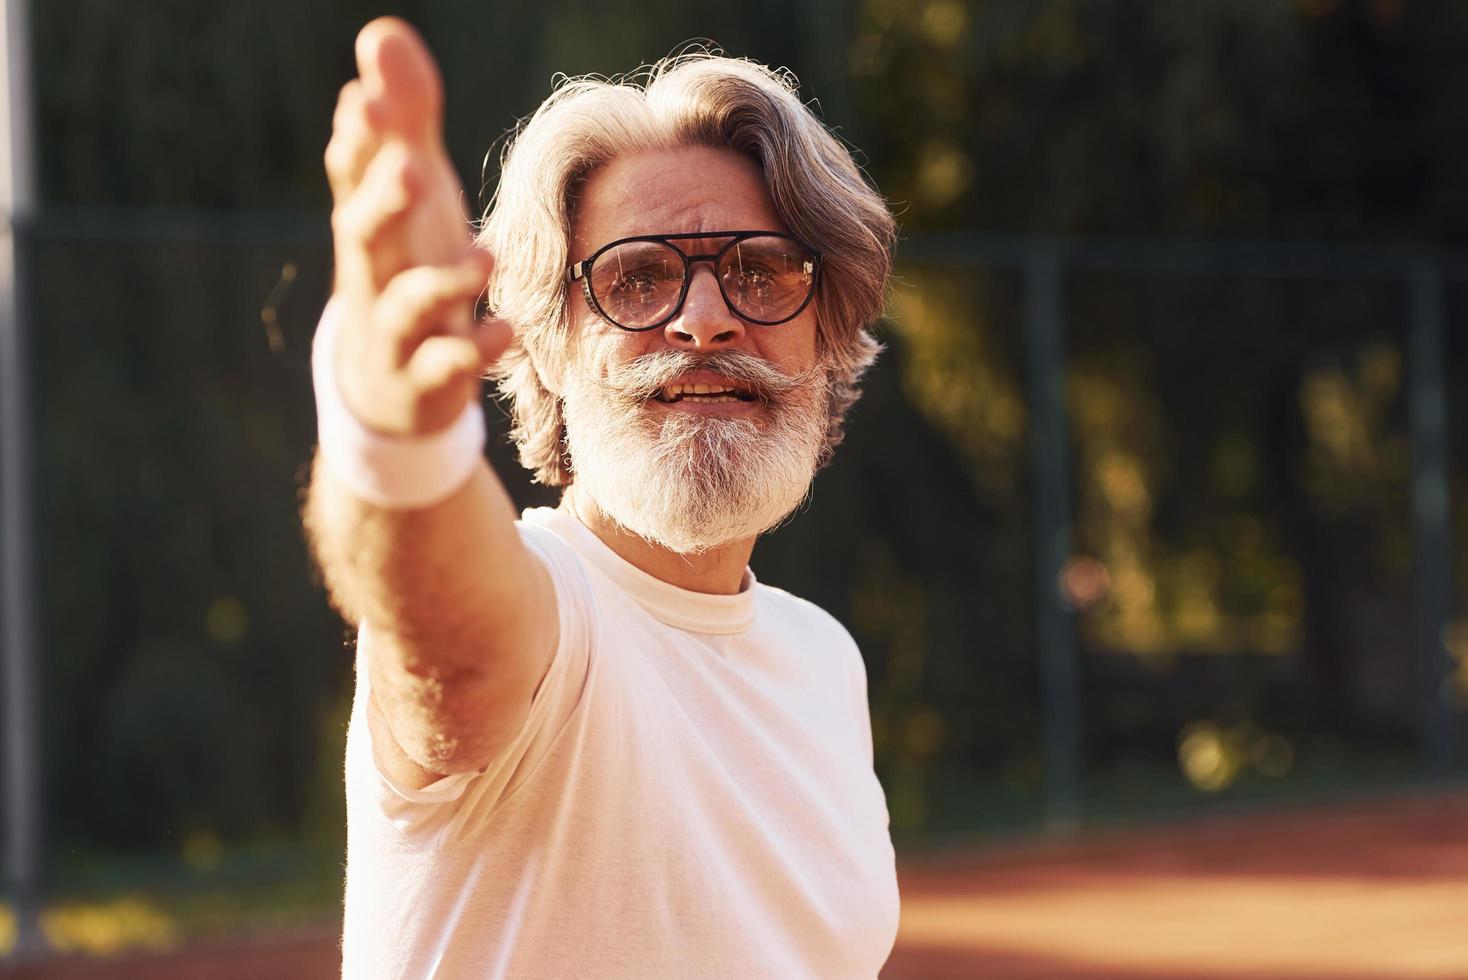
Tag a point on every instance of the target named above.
point(708, 394)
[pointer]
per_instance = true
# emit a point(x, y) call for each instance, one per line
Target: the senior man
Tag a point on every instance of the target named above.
point(586, 742)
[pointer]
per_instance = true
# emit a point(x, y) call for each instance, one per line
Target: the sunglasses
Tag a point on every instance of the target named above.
point(640, 283)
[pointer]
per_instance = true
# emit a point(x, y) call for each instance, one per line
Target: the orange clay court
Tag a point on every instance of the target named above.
point(1363, 891)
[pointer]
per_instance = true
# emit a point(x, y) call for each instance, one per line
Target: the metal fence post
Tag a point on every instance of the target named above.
point(1050, 478)
point(1431, 527)
point(21, 753)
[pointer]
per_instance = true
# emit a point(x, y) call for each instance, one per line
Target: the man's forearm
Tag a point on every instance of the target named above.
point(441, 581)
point(463, 618)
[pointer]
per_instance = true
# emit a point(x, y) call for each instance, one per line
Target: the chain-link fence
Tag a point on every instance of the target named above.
point(1120, 527)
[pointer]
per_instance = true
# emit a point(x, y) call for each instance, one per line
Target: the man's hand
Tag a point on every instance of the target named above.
point(410, 353)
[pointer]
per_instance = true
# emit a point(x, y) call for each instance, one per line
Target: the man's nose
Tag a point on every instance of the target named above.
point(705, 320)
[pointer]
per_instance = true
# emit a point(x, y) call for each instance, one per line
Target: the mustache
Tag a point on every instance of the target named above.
point(643, 377)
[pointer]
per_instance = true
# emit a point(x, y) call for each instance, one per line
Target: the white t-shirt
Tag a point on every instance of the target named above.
point(692, 796)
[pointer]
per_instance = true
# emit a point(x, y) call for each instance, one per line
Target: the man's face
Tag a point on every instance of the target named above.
point(684, 470)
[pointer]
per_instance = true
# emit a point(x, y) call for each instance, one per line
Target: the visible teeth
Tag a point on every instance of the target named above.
point(675, 390)
point(671, 395)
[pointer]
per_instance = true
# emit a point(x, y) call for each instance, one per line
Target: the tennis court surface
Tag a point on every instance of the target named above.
point(1366, 891)
point(1362, 891)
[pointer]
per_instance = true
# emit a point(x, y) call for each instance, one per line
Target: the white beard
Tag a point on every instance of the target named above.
point(692, 482)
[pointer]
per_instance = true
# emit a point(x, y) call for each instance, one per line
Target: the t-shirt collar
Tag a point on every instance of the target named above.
point(697, 612)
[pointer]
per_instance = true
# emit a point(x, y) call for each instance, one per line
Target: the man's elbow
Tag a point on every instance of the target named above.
point(451, 723)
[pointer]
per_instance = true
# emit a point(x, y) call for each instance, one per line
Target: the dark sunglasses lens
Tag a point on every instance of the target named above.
point(767, 279)
point(637, 283)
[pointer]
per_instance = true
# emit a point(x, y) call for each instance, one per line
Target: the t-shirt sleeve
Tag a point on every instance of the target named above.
point(457, 798)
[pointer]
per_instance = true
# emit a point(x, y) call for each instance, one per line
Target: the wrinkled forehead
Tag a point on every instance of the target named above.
point(670, 192)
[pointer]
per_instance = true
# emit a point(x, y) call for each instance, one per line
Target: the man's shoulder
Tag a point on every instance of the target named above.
point(802, 614)
point(824, 645)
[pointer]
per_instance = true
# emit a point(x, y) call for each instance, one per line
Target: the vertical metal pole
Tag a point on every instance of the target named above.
point(17, 569)
point(1050, 492)
point(1431, 527)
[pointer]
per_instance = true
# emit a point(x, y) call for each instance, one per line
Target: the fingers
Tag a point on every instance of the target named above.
point(395, 191)
point(399, 93)
point(362, 223)
point(492, 336)
point(429, 300)
point(443, 361)
point(404, 264)
point(401, 79)
point(354, 140)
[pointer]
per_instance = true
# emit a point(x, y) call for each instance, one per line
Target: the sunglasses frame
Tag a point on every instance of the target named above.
point(582, 271)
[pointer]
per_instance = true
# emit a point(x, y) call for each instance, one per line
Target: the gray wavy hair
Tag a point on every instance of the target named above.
point(693, 99)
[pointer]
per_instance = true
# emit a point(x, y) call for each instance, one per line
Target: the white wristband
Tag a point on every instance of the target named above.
point(400, 472)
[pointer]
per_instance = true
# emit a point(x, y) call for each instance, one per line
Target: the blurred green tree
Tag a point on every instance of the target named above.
point(1238, 446)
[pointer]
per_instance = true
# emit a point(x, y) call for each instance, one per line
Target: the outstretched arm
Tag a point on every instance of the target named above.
point(462, 618)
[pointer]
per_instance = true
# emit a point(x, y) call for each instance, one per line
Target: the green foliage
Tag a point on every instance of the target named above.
point(1238, 445)
point(188, 647)
point(1214, 117)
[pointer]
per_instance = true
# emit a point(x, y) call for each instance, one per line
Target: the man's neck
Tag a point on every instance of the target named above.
point(718, 571)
